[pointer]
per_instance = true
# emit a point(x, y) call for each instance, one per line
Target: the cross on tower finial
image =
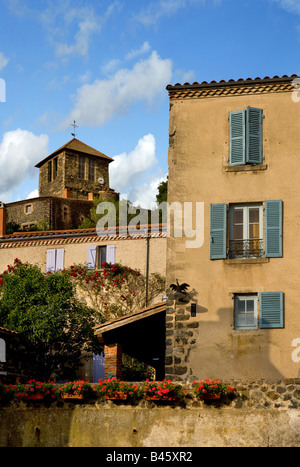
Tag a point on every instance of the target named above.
point(74, 126)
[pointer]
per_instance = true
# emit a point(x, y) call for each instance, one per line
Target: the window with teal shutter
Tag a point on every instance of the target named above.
point(237, 137)
point(271, 310)
point(254, 136)
point(273, 229)
point(245, 136)
point(218, 230)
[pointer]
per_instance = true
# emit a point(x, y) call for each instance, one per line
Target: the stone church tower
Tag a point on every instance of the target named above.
point(75, 171)
point(69, 179)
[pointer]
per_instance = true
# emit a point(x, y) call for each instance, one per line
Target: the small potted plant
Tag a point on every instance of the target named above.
point(76, 390)
point(164, 390)
point(137, 371)
point(37, 390)
point(113, 388)
point(7, 392)
point(212, 389)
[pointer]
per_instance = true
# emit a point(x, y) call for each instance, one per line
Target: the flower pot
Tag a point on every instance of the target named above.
point(72, 396)
point(116, 396)
point(210, 396)
point(161, 398)
point(36, 396)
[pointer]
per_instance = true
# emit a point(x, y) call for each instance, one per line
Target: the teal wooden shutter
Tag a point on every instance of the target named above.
point(218, 228)
point(237, 137)
point(273, 229)
point(91, 257)
point(271, 310)
point(254, 136)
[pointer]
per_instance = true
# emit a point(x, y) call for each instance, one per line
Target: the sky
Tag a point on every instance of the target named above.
point(106, 65)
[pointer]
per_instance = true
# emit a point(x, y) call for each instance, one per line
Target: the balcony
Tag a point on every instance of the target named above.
point(246, 249)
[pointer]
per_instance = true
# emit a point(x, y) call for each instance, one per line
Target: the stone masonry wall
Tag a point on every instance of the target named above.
point(179, 340)
point(263, 414)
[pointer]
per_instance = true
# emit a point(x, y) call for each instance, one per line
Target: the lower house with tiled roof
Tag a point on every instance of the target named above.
point(143, 249)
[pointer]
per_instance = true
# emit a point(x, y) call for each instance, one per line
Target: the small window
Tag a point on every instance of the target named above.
point(81, 172)
point(49, 171)
point(245, 136)
point(245, 312)
point(246, 231)
point(91, 170)
point(54, 168)
point(97, 255)
point(264, 311)
point(28, 208)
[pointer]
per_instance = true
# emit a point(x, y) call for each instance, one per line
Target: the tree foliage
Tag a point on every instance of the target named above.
point(121, 212)
point(53, 325)
point(162, 195)
point(55, 313)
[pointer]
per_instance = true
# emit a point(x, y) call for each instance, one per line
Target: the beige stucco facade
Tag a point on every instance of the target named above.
point(199, 171)
point(129, 250)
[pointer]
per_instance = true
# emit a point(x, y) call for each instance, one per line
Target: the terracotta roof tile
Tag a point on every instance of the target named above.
point(78, 146)
point(222, 82)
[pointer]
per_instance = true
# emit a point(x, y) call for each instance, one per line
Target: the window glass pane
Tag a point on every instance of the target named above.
point(253, 215)
point(238, 216)
point(238, 232)
point(81, 173)
point(246, 312)
point(253, 231)
point(102, 252)
point(249, 320)
point(241, 306)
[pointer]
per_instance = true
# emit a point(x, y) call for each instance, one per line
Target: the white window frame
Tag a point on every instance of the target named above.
point(246, 223)
point(110, 256)
point(246, 298)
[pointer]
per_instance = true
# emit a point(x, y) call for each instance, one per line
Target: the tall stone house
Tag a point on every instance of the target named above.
point(69, 179)
point(234, 149)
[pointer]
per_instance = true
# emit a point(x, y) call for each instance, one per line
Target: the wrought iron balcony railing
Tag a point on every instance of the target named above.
point(246, 248)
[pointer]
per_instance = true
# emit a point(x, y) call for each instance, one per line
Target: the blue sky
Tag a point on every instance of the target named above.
point(106, 64)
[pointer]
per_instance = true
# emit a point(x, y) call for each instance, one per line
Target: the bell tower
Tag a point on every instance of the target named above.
point(76, 171)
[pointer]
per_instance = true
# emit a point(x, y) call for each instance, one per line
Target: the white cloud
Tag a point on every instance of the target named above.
point(70, 28)
point(97, 103)
point(86, 27)
point(20, 150)
point(144, 194)
point(3, 61)
point(292, 6)
point(33, 194)
point(159, 9)
point(128, 173)
point(136, 52)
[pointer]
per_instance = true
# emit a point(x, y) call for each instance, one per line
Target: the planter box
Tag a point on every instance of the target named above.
point(37, 396)
point(72, 397)
point(116, 396)
point(210, 396)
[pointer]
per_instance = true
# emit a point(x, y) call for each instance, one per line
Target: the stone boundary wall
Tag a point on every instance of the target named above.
point(263, 413)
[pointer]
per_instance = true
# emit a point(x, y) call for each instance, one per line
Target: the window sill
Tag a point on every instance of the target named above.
point(245, 168)
point(232, 262)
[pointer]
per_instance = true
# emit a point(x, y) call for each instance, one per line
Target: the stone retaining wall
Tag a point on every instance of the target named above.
point(263, 413)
